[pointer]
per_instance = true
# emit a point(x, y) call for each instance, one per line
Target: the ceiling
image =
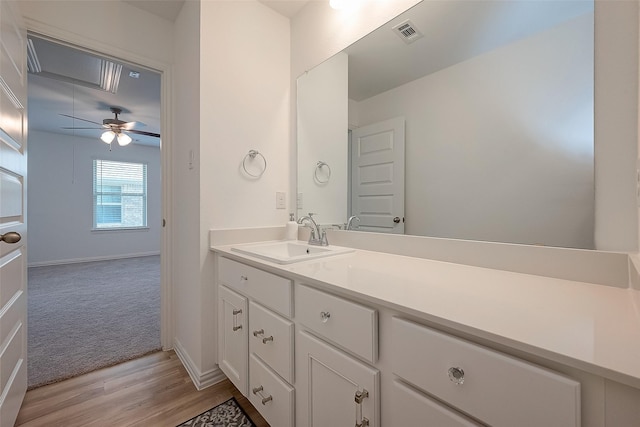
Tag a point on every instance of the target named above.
point(169, 9)
point(453, 31)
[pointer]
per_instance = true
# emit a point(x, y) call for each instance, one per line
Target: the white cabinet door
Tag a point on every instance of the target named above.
point(327, 381)
point(233, 344)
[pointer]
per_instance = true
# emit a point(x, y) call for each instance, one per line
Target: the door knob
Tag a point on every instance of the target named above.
point(396, 220)
point(10, 237)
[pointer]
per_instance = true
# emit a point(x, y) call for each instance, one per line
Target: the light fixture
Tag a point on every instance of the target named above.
point(108, 136)
point(123, 139)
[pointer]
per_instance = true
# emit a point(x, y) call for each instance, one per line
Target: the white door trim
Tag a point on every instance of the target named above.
point(166, 285)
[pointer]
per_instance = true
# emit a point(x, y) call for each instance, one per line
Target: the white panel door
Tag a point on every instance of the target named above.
point(13, 227)
point(377, 176)
point(329, 384)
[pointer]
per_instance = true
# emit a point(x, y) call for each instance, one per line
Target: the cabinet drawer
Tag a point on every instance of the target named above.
point(350, 325)
point(271, 396)
point(412, 408)
point(268, 289)
point(271, 338)
point(497, 389)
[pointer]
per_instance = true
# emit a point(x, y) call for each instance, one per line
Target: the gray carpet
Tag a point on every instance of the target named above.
point(87, 316)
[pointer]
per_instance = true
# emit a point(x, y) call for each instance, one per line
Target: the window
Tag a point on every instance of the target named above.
point(119, 195)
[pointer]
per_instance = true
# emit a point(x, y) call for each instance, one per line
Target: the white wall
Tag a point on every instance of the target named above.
point(60, 201)
point(500, 147)
point(126, 31)
point(322, 124)
point(185, 217)
point(232, 94)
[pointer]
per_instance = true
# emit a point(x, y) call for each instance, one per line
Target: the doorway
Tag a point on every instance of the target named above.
point(95, 192)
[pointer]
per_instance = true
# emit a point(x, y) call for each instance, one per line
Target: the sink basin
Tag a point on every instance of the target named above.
point(289, 252)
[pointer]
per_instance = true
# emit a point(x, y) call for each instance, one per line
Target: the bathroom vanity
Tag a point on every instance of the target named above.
point(369, 338)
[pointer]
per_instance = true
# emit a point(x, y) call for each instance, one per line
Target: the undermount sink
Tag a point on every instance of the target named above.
point(287, 252)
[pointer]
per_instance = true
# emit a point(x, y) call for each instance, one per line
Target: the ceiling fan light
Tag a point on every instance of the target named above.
point(108, 136)
point(123, 139)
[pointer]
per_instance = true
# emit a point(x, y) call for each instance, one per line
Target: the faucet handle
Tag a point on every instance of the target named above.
point(323, 239)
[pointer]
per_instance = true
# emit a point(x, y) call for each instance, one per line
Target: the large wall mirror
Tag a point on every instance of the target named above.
point(457, 119)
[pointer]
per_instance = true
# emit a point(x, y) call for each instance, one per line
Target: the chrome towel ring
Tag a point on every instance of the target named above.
point(251, 155)
point(319, 166)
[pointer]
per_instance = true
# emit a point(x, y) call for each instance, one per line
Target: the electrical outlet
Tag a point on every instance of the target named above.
point(281, 199)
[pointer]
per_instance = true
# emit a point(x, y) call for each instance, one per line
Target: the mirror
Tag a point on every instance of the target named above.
point(457, 119)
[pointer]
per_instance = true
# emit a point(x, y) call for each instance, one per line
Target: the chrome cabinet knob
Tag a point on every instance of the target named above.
point(325, 315)
point(456, 375)
point(10, 237)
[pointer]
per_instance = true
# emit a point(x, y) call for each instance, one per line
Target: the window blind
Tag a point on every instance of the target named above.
point(119, 194)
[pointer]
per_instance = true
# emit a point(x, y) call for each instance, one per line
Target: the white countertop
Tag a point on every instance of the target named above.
point(595, 328)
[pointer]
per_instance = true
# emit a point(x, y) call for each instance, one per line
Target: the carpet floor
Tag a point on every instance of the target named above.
point(86, 316)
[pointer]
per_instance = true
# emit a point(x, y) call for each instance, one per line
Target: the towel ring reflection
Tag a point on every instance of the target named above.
point(319, 167)
point(252, 154)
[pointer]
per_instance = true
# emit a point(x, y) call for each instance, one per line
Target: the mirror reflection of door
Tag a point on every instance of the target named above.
point(377, 176)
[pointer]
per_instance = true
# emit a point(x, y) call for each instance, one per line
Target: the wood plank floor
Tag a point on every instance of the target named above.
point(154, 390)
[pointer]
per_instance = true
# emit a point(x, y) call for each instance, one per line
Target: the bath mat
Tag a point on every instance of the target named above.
point(227, 414)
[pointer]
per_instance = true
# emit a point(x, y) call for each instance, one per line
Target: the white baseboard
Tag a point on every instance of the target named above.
point(91, 259)
point(200, 380)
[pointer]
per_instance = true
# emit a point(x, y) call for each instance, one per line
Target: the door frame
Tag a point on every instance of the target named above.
point(164, 69)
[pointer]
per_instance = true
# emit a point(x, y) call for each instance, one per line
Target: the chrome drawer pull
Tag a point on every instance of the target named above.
point(456, 375)
point(260, 332)
point(325, 315)
point(267, 339)
point(359, 397)
point(259, 390)
point(235, 312)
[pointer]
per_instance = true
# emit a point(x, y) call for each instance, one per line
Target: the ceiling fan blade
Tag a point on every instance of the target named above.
point(140, 132)
point(84, 120)
point(131, 125)
point(82, 128)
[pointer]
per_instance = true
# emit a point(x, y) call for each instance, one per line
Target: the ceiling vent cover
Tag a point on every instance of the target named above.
point(407, 31)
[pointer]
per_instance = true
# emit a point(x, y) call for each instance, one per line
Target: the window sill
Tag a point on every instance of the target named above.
point(119, 229)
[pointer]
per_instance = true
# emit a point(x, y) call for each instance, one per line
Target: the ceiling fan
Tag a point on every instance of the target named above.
point(115, 128)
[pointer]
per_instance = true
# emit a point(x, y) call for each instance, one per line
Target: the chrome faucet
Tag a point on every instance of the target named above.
point(350, 222)
point(318, 236)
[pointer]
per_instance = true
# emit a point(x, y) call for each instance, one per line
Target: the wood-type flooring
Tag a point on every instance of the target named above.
point(153, 391)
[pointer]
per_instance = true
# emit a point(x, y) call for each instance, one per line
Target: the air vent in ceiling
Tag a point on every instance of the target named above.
point(48, 59)
point(407, 31)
